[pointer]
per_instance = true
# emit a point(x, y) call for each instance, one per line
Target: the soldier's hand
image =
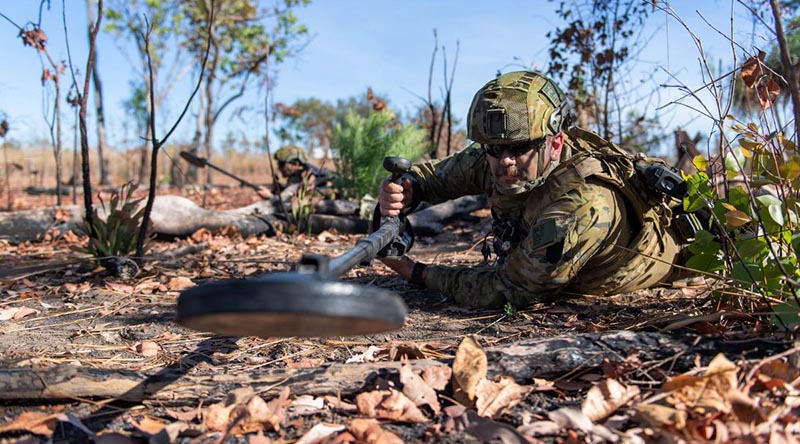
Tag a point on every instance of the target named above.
point(393, 197)
point(264, 192)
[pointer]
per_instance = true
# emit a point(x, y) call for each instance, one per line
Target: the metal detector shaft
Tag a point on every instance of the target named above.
point(365, 249)
point(203, 162)
point(233, 176)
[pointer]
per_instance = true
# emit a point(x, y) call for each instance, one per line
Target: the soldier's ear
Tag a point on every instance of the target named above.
point(556, 145)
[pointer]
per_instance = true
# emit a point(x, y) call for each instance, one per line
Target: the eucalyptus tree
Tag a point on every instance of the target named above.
point(245, 39)
point(98, 102)
point(130, 21)
point(590, 53)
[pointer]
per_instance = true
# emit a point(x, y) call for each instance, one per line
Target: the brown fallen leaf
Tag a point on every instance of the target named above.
point(148, 426)
point(438, 376)
point(319, 433)
point(389, 404)
point(15, 313)
point(229, 231)
point(147, 349)
point(570, 418)
point(469, 368)
point(304, 363)
point(216, 416)
point(779, 370)
point(492, 398)
point(180, 283)
point(147, 286)
point(660, 416)
point(370, 431)
point(606, 397)
point(709, 392)
point(38, 423)
point(186, 416)
point(120, 288)
point(253, 413)
point(168, 434)
point(259, 438)
point(417, 390)
point(202, 235)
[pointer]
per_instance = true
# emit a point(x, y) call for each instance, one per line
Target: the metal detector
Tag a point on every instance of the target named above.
point(202, 162)
point(307, 302)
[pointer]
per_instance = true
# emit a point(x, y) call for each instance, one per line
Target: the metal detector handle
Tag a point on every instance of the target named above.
point(404, 235)
point(397, 166)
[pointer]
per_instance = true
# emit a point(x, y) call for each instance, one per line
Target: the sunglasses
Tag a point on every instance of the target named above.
point(513, 150)
point(282, 163)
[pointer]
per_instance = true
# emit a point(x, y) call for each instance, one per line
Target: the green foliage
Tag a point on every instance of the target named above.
point(241, 39)
point(755, 243)
point(116, 234)
point(510, 310)
point(303, 202)
point(361, 144)
point(311, 121)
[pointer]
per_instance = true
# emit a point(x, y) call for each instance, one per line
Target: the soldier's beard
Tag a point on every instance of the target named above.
point(512, 180)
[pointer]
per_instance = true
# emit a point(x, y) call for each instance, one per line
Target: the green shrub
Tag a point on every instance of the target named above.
point(754, 242)
point(362, 143)
point(116, 234)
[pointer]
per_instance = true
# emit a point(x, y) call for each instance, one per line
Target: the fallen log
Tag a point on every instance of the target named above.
point(545, 357)
point(177, 216)
point(430, 221)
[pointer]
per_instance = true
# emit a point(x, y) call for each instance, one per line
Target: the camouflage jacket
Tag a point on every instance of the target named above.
point(578, 232)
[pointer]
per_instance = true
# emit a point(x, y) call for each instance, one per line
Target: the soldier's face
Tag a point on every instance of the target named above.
point(290, 168)
point(512, 168)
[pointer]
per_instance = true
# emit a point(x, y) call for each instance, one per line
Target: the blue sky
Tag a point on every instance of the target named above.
point(358, 43)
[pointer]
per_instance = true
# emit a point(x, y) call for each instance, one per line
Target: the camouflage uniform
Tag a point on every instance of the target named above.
point(321, 177)
point(589, 228)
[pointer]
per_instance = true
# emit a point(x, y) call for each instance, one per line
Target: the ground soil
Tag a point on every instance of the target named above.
point(86, 317)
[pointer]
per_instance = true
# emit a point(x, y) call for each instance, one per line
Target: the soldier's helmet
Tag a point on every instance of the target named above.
point(289, 153)
point(516, 107)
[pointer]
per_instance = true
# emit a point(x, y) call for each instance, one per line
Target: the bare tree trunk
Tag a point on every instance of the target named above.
point(8, 174)
point(148, 136)
point(198, 135)
point(57, 148)
point(431, 107)
point(98, 103)
point(791, 71)
point(75, 160)
point(210, 118)
point(86, 171)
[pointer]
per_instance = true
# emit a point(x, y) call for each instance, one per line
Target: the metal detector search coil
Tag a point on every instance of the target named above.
point(308, 302)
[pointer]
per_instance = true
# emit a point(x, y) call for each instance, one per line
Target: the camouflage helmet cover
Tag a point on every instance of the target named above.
point(289, 153)
point(520, 106)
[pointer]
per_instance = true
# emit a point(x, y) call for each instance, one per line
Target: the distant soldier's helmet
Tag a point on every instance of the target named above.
point(517, 107)
point(289, 153)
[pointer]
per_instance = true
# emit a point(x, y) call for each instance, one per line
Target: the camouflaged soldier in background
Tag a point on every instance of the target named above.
point(571, 213)
point(292, 162)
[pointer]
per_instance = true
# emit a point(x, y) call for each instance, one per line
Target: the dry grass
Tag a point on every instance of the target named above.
point(37, 166)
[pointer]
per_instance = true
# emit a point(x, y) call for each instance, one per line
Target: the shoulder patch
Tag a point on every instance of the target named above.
point(544, 234)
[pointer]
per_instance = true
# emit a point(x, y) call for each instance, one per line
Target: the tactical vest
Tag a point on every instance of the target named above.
point(649, 247)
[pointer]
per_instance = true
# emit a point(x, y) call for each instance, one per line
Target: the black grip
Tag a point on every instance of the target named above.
point(397, 166)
